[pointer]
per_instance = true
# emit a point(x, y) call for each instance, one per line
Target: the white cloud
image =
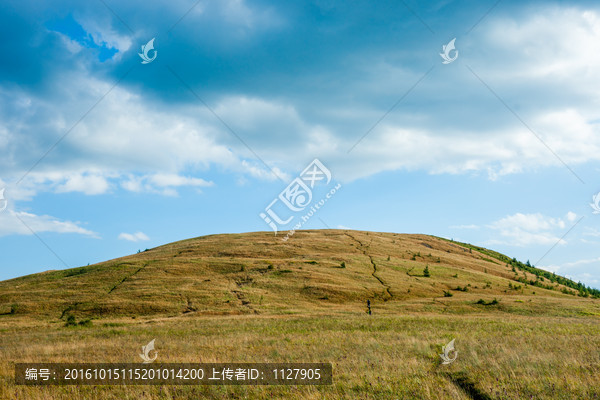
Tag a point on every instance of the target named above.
point(530, 222)
point(129, 138)
point(126, 133)
point(104, 35)
point(23, 223)
point(543, 65)
point(343, 227)
point(581, 262)
point(591, 232)
point(557, 42)
point(528, 229)
point(166, 180)
point(263, 173)
point(134, 237)
point(88, 184)
point(162, 183)
point(238, 13)
point(472, 226)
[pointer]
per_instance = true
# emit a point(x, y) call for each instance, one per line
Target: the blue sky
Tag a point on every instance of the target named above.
point(101, 155)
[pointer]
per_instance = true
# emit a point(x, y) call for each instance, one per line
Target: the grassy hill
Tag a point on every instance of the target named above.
point(258, 273)
point(521, 332)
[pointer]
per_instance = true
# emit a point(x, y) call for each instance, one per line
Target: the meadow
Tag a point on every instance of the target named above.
point(250, 298)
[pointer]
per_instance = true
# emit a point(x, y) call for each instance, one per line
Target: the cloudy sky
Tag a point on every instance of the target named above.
point(102, 155)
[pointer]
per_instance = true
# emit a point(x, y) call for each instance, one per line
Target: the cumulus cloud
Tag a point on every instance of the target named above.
point(134, 237)
point(137, 131)
point(559, 43)
point(88, 184)
point(530, 229)
point(454, 125)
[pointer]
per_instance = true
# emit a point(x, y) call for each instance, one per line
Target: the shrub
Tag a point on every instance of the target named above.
point(71, 321)
point(487, 303)
point(343, 265)
point(447, 293)
point(85, 322)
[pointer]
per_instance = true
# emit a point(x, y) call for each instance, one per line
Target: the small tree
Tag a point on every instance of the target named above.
point(426, 272)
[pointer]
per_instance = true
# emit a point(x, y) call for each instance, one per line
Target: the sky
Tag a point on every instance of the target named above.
point(112, 143)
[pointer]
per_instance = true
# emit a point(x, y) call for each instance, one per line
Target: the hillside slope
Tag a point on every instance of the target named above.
point(257, 273)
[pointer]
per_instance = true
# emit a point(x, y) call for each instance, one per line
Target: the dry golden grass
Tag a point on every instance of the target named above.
point(215, 299)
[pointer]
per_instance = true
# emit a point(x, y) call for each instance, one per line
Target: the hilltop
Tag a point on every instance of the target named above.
point(316, 270)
